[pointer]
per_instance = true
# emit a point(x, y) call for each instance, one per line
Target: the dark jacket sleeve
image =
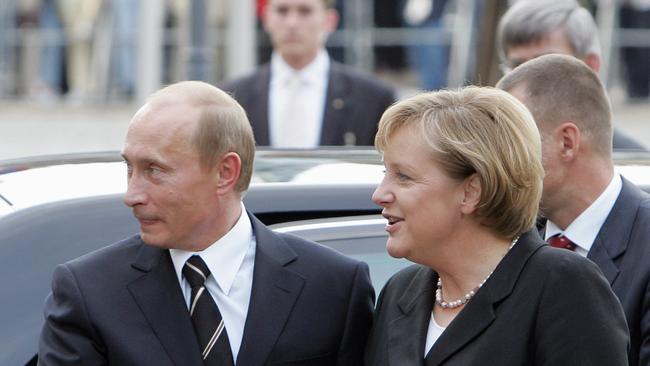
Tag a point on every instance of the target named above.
point(358, 319)
point(577, 303)
point(67, 337)
point(377, 340)
point(644, 347)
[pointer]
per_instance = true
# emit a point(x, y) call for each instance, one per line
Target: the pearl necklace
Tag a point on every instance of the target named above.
point(468, 296)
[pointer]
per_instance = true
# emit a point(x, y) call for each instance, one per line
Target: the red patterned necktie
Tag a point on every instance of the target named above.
point(561, 241)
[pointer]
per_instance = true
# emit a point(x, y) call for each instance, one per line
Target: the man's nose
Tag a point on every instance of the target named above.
point(135, 192)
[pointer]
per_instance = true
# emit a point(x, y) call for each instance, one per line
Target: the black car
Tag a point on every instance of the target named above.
point(56, 208)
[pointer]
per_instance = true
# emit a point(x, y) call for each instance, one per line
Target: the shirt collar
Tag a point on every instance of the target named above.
point(224, 257)
point(313, 73)
point(584, 229)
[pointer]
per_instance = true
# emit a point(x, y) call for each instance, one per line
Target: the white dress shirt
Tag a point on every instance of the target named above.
point(433, 333)
point(584, 229)
point(314, 78)
point(230, 260)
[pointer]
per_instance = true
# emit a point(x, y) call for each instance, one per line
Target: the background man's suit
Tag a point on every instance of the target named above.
point(353, 106)
point(523, 315)
point(622, 251)
point(123, 305)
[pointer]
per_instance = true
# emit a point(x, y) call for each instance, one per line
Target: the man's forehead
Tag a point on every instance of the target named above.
point(555, 41)
point(162, 123)
point(310, 3)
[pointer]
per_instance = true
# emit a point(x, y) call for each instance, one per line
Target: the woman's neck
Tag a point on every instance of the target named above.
point(467, 262)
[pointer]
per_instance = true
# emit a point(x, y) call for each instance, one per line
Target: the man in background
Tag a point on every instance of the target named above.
point(589, 208)
point(302, 98)
point(531, 28)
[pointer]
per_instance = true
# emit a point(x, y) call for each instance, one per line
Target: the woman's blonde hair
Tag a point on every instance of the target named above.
point(482, 131)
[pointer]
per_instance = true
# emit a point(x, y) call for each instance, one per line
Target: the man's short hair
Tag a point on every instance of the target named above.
point(484, 131)
point(222, 126)
point(561, 88)
point(529, 21)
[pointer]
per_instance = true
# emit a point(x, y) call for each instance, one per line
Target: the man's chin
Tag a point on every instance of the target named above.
point(153, 240)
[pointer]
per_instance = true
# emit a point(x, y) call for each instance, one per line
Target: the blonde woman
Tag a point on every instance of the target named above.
point(461, 191)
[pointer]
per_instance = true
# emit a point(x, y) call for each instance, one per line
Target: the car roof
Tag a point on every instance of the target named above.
point(31, 181)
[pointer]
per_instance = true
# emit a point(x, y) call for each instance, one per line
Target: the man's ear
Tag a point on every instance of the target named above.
point(568, 136)
point(228, 171)
point(593, 61)
point(332, 20)
point(471, 194)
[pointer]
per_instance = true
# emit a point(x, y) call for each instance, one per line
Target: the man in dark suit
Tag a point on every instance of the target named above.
point(531, 28)
point(204, 281)
point(302, 98)
point(588, 206)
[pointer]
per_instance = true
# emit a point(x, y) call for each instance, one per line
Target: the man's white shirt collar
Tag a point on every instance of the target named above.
point(224, 257)
point(584, 229)
point(315, 73)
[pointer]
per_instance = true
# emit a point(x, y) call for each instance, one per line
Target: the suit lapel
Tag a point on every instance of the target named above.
point(614, 235)
point(337, 108)
point(416, 305)
point(479, 313)
point(275, 290)
point(159, 296)
point(258, 111)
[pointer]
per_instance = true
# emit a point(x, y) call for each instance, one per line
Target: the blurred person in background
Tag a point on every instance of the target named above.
point(531, 28)
point(461, 193)
point(587, 206)
point(123, 63)
point(429, 61)
point(26, 48)
point(79, 18)
point(302, 98)
point(635, 14)
point(52, 62)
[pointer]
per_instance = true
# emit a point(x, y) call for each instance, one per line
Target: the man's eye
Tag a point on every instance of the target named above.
point(402, 177)
point(154, 171)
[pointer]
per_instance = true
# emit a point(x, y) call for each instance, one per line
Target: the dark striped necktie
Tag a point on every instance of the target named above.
point(208, 323)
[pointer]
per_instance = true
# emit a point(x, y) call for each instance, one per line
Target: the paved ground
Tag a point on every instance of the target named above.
point(27, 129)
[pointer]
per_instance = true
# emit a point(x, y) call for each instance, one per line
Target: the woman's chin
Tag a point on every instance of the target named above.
point(394, 249)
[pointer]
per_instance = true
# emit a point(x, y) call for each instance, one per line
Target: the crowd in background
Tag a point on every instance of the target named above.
point(85, 50)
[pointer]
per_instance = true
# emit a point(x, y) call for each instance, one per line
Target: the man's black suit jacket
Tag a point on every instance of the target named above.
point(122, 305)
point(622, 251)
point(353, 106)
point(541, 306)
